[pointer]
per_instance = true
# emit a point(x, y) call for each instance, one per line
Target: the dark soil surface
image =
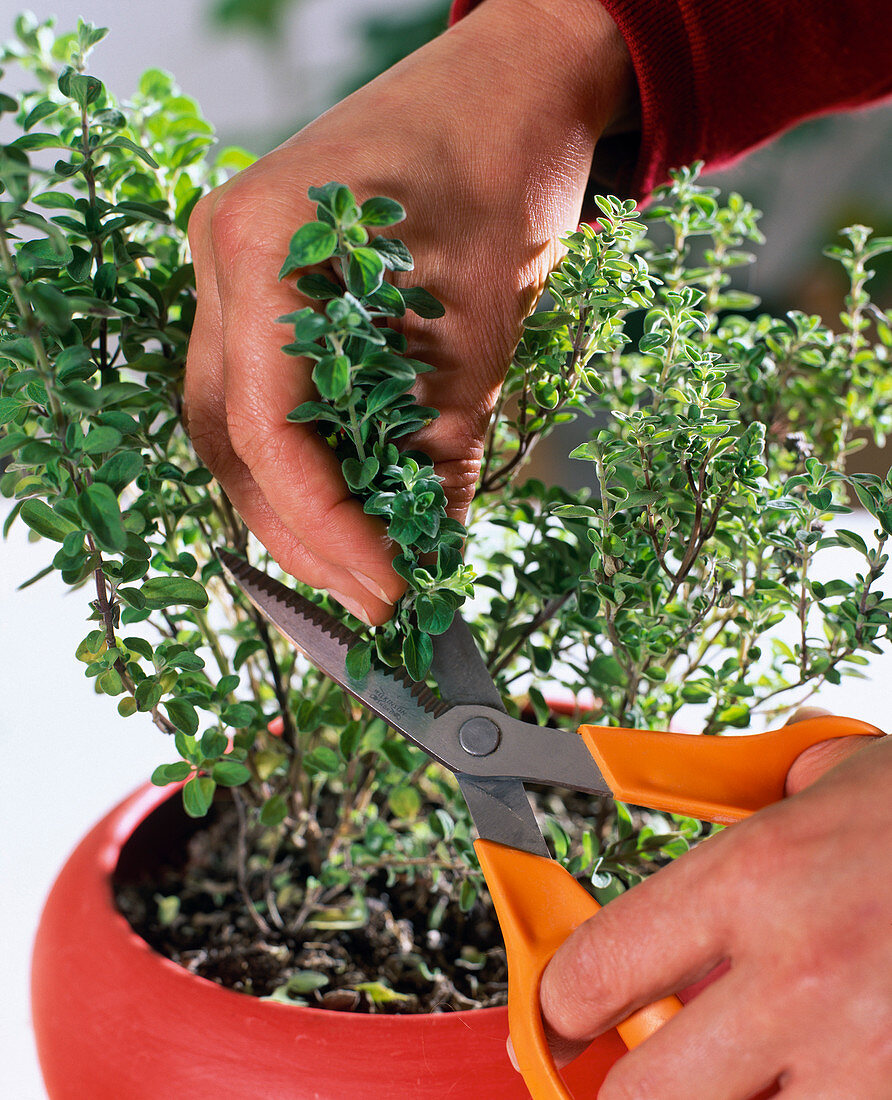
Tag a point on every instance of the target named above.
point(194, 914)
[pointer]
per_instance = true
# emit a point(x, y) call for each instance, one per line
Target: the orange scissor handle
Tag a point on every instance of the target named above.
point(710, 778)
point(539, 904)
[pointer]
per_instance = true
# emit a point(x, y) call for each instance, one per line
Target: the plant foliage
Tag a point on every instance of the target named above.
point(718, 451)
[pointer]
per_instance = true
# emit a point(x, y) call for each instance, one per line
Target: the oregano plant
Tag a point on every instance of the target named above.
point(683, 576)
point(366, 409)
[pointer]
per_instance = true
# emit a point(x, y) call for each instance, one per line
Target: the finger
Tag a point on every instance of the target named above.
point(205, 415)
point(661, 936)
point(295, 471)
point(722, 1046)
point(818, 759)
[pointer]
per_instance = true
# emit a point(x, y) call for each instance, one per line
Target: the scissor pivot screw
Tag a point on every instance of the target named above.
point(479, 736)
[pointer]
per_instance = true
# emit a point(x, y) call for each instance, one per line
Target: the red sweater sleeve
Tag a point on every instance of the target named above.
point(718, 77)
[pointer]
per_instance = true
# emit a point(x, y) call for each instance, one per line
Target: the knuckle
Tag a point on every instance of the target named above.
point(229, 221)
point(577, 985)
point(200, 218)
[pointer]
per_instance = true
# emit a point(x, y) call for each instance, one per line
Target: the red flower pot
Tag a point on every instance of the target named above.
point(116, 1021)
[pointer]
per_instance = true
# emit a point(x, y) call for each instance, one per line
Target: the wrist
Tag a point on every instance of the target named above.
point(569, 55)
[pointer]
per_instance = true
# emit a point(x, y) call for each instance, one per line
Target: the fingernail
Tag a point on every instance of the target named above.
point(371, 584)
point(511, 1055)
point(351, 605)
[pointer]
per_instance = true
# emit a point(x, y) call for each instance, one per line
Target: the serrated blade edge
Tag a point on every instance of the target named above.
point(410, 708)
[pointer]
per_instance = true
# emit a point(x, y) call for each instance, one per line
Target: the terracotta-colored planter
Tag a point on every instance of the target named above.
point(116, 1021)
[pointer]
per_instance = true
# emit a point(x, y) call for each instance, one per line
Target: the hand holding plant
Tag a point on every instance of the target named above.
point(483, 242)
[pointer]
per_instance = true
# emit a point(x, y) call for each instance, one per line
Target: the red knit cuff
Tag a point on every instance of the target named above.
point(717, 78)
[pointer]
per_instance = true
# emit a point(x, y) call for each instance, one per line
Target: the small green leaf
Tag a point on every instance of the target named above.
point(42, 519)
point(422, 302)
point(313, 243)
point(274, 811)
point(198, 794)
point(322, 759)
point(230, 773)
point(238, 715)
point(418, 652)
point(434, 612)
point(358, 661)
point(332, 376)
point(99, 507)
point(101, 439)
point(364, 271)
point(380, 993)
point(381, 211)
point(171, 773)
point(183, 715)
point(159, 592)
point(405, 802)
point(467, 896)
point(119, 470)
point(395, 254)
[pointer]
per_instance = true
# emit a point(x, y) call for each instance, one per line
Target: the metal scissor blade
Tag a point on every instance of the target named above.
point(409, 708)
point(460, 670)
point(501, 811)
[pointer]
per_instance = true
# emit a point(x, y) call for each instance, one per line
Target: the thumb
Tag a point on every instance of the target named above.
point(817, 759)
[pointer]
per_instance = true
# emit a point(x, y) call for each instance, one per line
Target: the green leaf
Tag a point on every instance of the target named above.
point(381, 211)
point(332, 376)
point(404, 802)
point(198, 794)
point(395, 254)
point(42, 110)
point(120, 142)
point(313, 410)
point(99, 507)
point(9, 409)
point(418, 652)
point(100, 440)
point(183, 715)
point(358, 661)
point(119, 470)
point(170, 773)
point(381, 994)
point(159, 592)
point(736, 715)
point(42, 519)
point(364, 271)
point(349, 739)
point(322, 759)
point(313, 243)
point(238, 715)
point(274, 811)
point(696, 692)
point(467, 896)
point(422, 302)
point(547, 320)
point(230, 773)
point(213, 743)
point(384, 394)
point(319, 287)
point(434, 613)
point(608, 670)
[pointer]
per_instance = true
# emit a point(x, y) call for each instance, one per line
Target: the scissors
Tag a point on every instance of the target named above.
point(466, 729)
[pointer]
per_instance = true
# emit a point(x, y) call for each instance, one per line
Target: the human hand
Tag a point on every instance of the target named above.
point(486, 137)
point(796, 902)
